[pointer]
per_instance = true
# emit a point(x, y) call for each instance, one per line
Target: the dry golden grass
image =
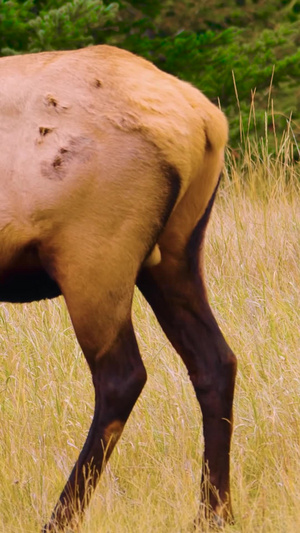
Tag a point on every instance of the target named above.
point(151, 484)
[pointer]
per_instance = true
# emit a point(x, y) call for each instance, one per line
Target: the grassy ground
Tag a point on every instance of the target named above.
point(151, 484)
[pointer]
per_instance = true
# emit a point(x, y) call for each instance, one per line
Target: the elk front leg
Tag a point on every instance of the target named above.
point(118, 376)
point(99, 302)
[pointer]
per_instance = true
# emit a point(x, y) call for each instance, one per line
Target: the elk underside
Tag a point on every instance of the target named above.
point(26, 280)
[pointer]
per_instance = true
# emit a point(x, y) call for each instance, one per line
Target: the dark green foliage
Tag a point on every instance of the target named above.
point(203, 42)
point(71, 25)
point(32, 26)
point(14, 18)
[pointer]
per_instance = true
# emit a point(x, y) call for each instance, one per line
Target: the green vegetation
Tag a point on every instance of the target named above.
point(34, 26)
point(151, 483)
point(201, 42)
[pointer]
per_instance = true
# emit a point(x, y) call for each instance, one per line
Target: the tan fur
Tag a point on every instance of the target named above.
point(93, 102)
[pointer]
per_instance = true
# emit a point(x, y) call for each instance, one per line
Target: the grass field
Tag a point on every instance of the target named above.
point(151, 484)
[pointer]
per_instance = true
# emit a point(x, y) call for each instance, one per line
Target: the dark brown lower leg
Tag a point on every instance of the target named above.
point(118, 376)
point(179, 301)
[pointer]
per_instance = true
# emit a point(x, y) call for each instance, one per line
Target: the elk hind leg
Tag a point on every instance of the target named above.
point(176, 291)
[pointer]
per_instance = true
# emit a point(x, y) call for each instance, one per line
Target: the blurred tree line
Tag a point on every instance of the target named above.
point(243, 54)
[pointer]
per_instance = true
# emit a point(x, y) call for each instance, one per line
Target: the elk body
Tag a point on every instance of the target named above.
point(108, 172)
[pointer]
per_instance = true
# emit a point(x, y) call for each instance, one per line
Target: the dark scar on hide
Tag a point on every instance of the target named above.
point(51, 101)
point(44, 131)
point(97, 83)
point(78, 150)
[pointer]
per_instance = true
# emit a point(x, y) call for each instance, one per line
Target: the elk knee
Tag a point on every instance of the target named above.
point(118, 382)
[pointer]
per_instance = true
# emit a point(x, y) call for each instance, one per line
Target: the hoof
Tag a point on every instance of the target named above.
point(53, 527)
point(212, 520)
point(48, 528)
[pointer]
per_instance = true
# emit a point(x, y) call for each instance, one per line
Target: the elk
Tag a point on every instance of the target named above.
point(108, 172)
